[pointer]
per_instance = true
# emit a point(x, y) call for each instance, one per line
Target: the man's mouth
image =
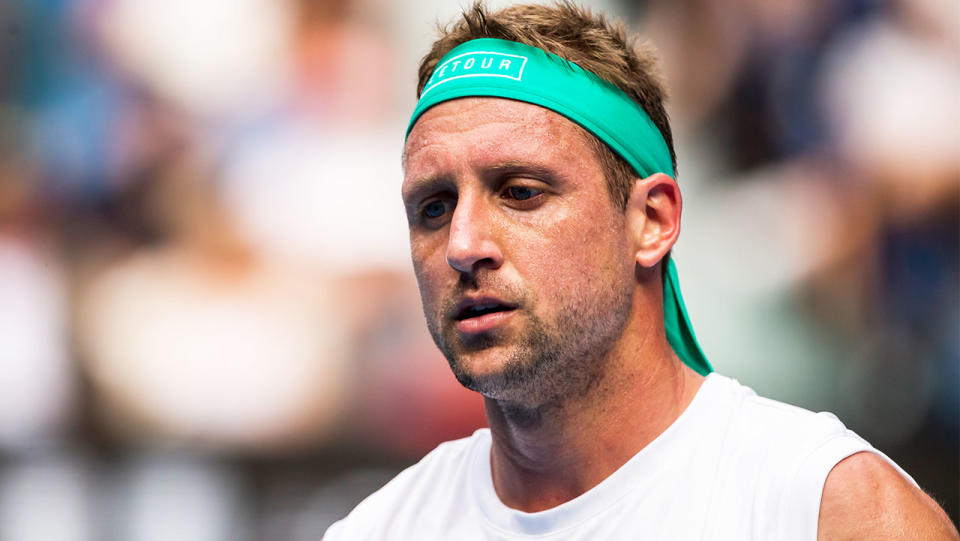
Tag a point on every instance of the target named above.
point(481, 314)
point(478, 310)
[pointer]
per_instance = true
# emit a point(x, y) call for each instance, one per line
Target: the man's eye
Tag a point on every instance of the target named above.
point(434, 209)
point(521, 193)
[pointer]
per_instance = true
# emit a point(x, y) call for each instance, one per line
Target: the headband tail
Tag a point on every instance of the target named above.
point(677, 323)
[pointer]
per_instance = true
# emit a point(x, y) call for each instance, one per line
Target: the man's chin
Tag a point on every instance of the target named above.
point(497, 364)
point(480, 354)
point(497, 374)
point(492, 386)
point(484, 365)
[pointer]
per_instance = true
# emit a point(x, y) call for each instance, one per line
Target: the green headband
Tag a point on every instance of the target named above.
point(506, 69)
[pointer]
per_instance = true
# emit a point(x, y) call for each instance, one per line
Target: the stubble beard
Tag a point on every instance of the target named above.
point(548, 362)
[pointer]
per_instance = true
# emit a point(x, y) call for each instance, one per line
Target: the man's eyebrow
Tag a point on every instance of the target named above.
point(420, 187)
point(520, 167)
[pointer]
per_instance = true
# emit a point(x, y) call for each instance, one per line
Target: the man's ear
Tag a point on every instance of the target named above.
point(653, 217)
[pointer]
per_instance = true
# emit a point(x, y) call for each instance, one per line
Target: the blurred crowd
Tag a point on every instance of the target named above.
point(209, 327)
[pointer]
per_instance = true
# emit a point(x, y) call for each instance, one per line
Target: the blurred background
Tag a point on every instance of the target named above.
point(209, 328)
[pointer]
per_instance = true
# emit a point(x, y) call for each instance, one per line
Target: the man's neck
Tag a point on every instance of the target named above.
point(543, 457)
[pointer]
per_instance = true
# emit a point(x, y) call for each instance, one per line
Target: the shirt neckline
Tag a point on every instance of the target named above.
point(638, 471)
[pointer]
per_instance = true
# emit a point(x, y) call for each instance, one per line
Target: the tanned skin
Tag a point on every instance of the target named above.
point(507, 205)
point(866, 498)
point(555, 440)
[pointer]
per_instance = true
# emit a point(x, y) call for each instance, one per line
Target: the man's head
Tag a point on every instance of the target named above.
point(583, 38)
point(536, 248)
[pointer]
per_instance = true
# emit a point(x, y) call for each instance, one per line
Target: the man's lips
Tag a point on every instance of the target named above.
point(481, 313)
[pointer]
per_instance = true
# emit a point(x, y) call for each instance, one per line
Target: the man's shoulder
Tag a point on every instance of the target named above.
point(866, 497)
point(783, 444)
point(757, 420)
point(820, 478)
point(433, 479)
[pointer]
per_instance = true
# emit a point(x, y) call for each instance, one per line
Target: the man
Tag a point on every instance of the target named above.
point(538, 185)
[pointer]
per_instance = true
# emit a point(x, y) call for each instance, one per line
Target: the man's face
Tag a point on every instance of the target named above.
point(523, 260)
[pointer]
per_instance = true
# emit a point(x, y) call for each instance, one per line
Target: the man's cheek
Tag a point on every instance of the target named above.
point(430, 296)
point(422, 276)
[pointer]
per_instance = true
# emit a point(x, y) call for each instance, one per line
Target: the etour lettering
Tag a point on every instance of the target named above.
point(477, 64)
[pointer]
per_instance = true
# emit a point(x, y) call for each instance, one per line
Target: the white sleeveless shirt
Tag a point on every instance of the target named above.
point(733, 466)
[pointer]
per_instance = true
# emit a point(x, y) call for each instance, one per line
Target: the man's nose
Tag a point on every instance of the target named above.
point(471, 244)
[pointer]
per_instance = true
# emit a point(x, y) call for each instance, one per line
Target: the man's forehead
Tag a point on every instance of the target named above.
point(492, 123)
